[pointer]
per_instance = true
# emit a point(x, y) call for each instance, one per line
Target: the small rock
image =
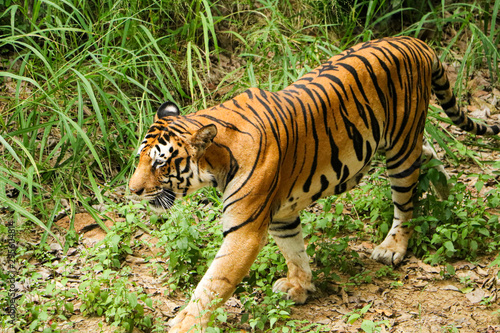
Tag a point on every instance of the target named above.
point(55, 247)
point(476, 296)
point(404, 317)
point(324, 321)
point(481, 271)
point(134, 260)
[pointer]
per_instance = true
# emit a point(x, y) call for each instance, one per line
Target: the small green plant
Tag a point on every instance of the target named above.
point(326, 248)
point(357, 314)
point(270, 308)
point(190, 238)
point(386, 271)
point(38, 316)
point(464, 226)
point(488, 301)
point(450, 329)
point(219, 316)
point(367, 325)
point(396, 284)
point(113, 251)
point(466, 281)
point(269, 266)
point(361, 278)
point(372, 204)
point(110, 295)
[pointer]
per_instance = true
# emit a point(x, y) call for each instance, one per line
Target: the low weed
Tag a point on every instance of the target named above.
point(270, 308)
point(110, 295)
point(458, 227)
point(33, 315)
point(367, 325)
point(386, 271)
point(328, 250)
point(190, 237)
point(361, 278)
point(265, 310)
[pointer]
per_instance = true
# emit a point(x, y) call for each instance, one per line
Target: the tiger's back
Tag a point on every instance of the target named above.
point(323, 130)
point(274, 153)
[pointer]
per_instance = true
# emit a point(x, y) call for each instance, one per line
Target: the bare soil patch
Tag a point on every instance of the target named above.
point(414, 297)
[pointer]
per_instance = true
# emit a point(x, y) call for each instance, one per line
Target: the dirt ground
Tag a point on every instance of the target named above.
point(415, 297)
point(423, 301)
point(422, 298)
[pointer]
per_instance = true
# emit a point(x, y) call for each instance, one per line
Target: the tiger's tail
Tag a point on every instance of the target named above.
point(447, 100)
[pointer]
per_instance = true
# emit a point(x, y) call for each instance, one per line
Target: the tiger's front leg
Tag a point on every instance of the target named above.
point(298, 283)
point(231, 264)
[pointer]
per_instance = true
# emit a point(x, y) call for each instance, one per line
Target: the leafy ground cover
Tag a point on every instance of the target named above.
point(79, 84)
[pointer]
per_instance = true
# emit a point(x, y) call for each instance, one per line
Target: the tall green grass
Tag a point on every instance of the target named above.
point(83, 78)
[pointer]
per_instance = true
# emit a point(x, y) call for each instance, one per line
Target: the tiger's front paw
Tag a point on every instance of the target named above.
point(389, 253)
point(295, 290)
point(187, 322)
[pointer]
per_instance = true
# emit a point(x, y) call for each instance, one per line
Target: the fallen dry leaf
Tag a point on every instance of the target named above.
point(450, 287)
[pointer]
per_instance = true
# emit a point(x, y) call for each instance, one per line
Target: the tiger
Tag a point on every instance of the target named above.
point(272, 154)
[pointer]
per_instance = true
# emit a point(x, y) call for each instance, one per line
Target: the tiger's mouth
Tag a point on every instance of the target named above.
point(163, 200)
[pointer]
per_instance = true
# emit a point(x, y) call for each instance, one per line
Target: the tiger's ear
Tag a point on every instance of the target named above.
point(202, 139)
point(167, 109)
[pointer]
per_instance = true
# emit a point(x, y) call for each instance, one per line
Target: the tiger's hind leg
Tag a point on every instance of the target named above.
point(440, 186)
point(288, 236)
point(403, 170)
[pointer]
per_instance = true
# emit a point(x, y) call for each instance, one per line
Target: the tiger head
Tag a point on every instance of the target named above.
point(169, 159)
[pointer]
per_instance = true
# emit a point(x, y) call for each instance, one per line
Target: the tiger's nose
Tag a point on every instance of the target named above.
point(136, 191)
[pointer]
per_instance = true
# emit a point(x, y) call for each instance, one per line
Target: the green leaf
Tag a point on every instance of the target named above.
point(68, 306)
point(149, 302)
point(450, 269)
point(132, 298)
point(466, 290)
point(479, 185)
point(368, 326)
point(272, 321)
point(449, 246)
point(339, 208)
point(353, 318)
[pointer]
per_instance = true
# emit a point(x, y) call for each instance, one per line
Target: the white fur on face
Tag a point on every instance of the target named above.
point(158, 153)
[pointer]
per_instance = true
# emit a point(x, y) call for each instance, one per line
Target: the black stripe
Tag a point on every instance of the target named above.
point(234, 228)
point(286, 226)
point(287, 236)
point(324, 186)
point(403, 189)
point(451, 103)
point(407, 172)
point(402, 208)
point(441, 87)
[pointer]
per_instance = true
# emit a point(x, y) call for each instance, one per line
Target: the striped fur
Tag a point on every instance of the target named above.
point(274, 153)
